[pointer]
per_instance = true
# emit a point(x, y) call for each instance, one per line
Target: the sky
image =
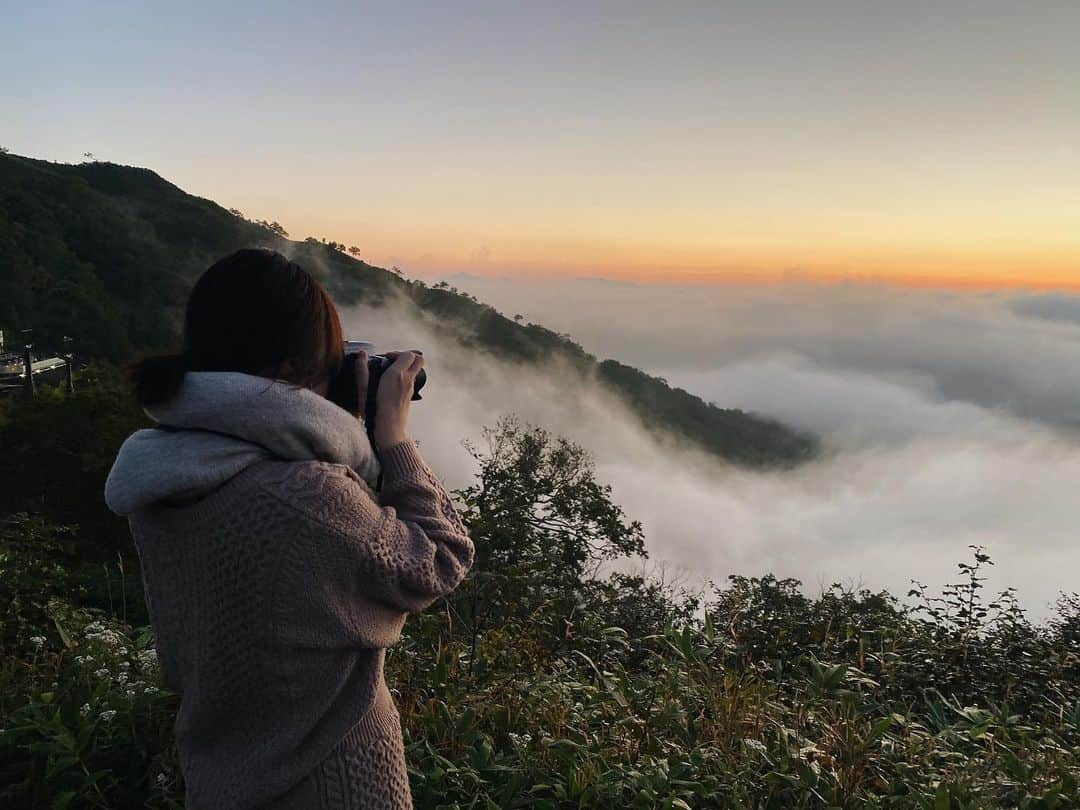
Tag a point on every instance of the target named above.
point(923, 144)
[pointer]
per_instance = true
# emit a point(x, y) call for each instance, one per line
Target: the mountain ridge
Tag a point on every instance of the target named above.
point(107, 253)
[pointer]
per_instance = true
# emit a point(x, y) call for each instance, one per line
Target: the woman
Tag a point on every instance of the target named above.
point(275, 576)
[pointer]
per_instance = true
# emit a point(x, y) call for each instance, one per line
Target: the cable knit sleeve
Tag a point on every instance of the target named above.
point(356, 566)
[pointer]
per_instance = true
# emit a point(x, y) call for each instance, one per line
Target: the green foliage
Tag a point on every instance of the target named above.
point(538, 505)
point(701, 714)
point(85, 720)
point(35, 562)
point(58, 450)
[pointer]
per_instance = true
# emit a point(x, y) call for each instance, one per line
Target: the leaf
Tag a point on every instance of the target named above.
point(807, 775)
point(64, 637)
point(941, 798)
point(1013, 766)
point(62, 800)
point(880, 727)
point(616, 693)
point(835, 676)
point(60, 764)
point(466, 719)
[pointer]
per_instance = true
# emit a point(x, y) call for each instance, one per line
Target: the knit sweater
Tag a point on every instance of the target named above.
point(273, 598)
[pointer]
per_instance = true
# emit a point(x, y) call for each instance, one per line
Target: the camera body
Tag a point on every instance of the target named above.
point(342, 387)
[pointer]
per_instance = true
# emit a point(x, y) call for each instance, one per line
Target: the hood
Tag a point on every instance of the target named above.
point(220, 423)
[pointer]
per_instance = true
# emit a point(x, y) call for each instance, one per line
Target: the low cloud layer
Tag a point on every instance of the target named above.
point(1016, 352)
point(948, 420)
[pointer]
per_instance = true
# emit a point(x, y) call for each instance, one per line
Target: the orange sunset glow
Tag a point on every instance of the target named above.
point(922, 146)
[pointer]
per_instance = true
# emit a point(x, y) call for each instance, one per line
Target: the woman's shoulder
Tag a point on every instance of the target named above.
point(292, 474)
point(317, 488)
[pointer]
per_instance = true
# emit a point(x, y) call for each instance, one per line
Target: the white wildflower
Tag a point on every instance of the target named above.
point(108, 715)
point(162, 779)
point(104, 635)
point(101, 673)
point(122, 678)
point(85, 709)
point(147, 659)
point(151, 690)
point(125, 665)
point(37, 642)
point(111, 638)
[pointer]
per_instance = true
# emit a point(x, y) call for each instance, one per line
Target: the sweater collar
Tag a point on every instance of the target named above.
point(218, 424)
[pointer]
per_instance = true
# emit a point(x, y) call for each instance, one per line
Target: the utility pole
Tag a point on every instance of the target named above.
point(28, 366)
point(69, 358)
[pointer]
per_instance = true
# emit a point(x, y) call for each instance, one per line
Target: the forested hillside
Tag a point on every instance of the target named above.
point(107, 253)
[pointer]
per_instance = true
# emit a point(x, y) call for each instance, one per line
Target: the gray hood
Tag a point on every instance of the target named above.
point(220, 423)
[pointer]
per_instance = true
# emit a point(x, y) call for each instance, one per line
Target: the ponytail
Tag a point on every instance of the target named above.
point(157, 378)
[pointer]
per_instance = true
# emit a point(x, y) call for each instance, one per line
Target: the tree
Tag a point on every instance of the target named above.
point(236, 213)
point(538, 503)
point(518, 319)
point(354, 251)
point(4, 150)
point(273, 227)
point(543, 526)
point(88, 155)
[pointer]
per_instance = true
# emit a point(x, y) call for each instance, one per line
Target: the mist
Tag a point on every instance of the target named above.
point(947, 420)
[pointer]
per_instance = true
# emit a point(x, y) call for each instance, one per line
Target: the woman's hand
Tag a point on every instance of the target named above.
point(393, 397)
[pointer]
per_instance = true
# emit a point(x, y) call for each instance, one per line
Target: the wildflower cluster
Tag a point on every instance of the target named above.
point(95, 715)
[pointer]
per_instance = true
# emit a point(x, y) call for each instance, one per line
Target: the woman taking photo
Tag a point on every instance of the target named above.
point(275, 575)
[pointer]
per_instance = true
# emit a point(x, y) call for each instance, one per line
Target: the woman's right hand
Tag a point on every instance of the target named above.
point(393, 397)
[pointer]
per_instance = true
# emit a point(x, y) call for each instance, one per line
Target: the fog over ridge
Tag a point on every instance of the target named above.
point(944, 417)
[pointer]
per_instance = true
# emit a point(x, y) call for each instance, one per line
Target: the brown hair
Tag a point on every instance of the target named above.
point(252, 312)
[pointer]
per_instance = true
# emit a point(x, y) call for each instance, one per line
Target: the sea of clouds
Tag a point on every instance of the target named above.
point(948, 419)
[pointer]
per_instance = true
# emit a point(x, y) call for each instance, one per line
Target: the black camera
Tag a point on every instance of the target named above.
point(342, 387)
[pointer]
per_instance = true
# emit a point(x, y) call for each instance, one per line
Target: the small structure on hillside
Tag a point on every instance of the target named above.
point(21, 371)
